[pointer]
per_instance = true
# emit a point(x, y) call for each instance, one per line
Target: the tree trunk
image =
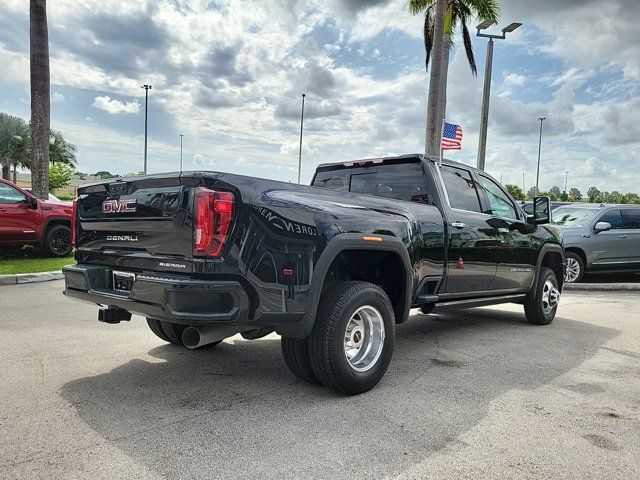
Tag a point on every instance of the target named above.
point(40, 103)
point(444, 74)
point(6, 171)
point(434, 120)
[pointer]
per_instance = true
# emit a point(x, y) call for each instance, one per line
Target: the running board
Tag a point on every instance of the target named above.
point(477, 302)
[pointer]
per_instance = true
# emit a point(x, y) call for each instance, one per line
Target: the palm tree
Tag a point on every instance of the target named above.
point(456, 12)
point(13, 135)
point(40, 101)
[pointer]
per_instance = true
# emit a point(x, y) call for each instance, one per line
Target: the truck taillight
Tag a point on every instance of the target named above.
point(213, 213)
point(74, 215)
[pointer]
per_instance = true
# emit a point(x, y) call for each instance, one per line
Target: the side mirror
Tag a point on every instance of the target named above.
point(33, 202)
point(602, 227)
point(541, 210)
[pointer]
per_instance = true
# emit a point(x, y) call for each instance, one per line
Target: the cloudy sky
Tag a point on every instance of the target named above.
point(228, 74)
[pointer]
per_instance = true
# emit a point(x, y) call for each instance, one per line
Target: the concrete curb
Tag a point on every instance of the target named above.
point(602, 287)
point(30, 277)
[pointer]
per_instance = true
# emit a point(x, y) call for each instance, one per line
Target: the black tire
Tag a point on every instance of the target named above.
point(327, 340)
point(296, 356)
point(173, 332)
point(156, 328)
point(57, 241)
point(574, 261)
point(538, 308)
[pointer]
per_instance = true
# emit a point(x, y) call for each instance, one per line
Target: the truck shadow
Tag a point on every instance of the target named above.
point(237, 411)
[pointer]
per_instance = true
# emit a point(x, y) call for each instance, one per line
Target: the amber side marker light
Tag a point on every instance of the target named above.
point(372, 239)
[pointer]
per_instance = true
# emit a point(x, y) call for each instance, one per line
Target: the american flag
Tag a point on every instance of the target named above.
point(451, 137)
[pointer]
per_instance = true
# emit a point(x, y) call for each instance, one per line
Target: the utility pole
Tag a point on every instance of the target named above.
point(181, 135)
point(300, 150)
point(523, 190)
point(146, 102)
point(566, 178)
point(540, 119)
point(486, 92)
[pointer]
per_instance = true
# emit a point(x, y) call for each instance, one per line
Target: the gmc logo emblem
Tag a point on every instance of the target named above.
point(118, 206)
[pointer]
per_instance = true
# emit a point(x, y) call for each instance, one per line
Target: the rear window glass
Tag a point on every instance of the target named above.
point(461, 189)
point(333, 179)
point(631, 218)
point(403, 181)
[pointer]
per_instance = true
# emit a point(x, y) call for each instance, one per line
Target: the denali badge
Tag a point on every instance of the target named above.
point(118, 206)
point(172, 265)
point(122, 238)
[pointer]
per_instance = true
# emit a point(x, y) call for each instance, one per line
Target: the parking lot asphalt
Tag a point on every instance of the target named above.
point(475, 394)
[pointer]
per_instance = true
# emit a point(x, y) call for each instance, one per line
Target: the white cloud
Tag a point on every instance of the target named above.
point(114, 106)
point(514, 79)
point(57, 97)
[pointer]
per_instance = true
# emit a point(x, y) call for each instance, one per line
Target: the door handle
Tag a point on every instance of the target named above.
point(458, 224)
point(622, 236)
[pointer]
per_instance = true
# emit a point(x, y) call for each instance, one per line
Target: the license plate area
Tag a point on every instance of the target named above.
point(123, 281)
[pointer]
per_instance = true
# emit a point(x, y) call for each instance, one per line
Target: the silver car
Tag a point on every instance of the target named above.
point(599, 238)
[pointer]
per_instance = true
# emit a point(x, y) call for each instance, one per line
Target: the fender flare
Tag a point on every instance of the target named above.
point(546, 248)
point(337, 245)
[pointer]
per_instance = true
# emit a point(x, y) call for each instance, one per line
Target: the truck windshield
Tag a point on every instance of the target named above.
point(572, 216)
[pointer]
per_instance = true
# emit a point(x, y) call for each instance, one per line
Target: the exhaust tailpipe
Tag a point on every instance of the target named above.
point(196, 337)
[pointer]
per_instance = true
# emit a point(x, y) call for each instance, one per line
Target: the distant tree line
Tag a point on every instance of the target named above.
point(594, 195)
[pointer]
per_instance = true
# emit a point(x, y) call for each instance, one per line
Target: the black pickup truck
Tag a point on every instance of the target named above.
point(331, 267)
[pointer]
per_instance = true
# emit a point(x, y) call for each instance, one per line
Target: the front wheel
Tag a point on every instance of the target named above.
point(57, 242)
point(351, 344)
point(540, 307)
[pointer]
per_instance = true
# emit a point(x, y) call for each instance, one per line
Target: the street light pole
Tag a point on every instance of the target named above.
point(523, 189)
point(300, 150)
point(566, 179)
point(146, 102)
point(181, 135)
point(486, 92)
point(540, 119)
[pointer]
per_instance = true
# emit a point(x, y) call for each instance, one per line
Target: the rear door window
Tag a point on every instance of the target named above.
point(613, 217)
point(631, 218)
point(461, 189)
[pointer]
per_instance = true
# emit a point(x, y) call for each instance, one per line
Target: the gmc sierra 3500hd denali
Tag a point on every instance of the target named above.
point(331, 267)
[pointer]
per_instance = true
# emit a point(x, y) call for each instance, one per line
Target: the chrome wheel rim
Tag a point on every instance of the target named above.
point(572, 271)
point(550, 297)
point(364, 338)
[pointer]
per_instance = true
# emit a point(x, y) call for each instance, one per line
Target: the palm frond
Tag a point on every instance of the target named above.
point(468, 47)
point(418, 6)
point(428, 36)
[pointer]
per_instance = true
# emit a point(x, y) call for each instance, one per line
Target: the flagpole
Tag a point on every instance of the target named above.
point(441, 134)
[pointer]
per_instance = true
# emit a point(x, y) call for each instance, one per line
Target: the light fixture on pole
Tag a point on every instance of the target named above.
point(300, 150)
point(146, 102)
point(486, 92)
point(181, 135)
point(540, 119)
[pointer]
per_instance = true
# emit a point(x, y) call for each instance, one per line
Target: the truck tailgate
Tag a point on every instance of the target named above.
point(137, 219)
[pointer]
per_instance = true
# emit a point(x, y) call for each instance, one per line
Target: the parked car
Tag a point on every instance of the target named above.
point(527, 206)
point(599, 238)
point(331, 267)
point(52, 198)
point(27, 220)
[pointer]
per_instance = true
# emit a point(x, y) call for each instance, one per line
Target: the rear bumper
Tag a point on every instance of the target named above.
point(163, 297)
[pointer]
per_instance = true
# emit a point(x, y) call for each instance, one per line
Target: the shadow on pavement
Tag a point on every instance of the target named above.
point(611, 278)
point(235, 411)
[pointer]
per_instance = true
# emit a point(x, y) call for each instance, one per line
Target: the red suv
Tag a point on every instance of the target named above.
point(27, 220)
